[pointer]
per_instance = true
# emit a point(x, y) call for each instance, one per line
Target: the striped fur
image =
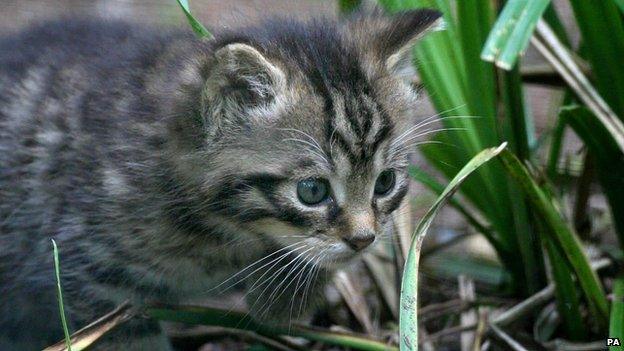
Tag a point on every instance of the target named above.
point(163, 165)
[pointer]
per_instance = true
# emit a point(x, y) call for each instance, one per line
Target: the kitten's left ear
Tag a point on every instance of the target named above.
point(244, 76)
point(393, 36)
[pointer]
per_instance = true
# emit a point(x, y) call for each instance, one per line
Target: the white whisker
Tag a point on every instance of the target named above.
point(251, 265)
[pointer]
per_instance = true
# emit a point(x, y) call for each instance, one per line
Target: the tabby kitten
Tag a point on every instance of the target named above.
point(165, 166)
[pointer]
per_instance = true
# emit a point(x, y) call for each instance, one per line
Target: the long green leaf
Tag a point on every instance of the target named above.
point(565, 290)
point(408, 321)
point(512, 31)
point(518, 130)
point(562, 236)
point(616, 327)
point(59, 290)
point(198, 28)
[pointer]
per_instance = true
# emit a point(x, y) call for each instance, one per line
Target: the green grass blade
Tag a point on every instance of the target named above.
point(602, 30)
point(474, 19)
point(552, 167)
point(568, 303)
point(518, 41)
point(502, 30)
point(237, 320)
point(59, 290)
point(609, 159)
point(408, 321)
point(518, 130)
point(511, 34)
point(616, 323)
point(562, 236)
point(198, 28)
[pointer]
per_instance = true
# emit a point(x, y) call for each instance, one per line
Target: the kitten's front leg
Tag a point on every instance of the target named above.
point(286, 293)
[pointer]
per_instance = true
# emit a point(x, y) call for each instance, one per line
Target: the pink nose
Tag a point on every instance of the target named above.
point(360, 241)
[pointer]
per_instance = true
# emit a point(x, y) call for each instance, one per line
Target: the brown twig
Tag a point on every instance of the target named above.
point(481, 329)
point(507, 339)
point(468, 317)
point(202, 336)
point(448, 331)
point(354, 298)
point(525, 306)
point(562, 61)
point(92, 332)
point(427, 345)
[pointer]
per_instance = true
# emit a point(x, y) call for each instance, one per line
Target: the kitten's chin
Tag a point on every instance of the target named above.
point(340, 260)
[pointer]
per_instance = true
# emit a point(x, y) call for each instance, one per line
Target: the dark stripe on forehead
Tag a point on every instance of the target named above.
point(381, 135)
point(352, 113)
point(360, 112)
point(343, 144)
point(368, 120)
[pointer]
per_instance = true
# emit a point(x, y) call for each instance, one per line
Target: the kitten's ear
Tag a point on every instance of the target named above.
point(402, 32)
point(244, 76)
point(394, 35)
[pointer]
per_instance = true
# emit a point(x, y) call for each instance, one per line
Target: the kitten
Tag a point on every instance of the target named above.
point(165, 166)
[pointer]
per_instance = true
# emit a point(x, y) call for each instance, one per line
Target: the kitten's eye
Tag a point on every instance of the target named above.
point(312, 191)
point(385, 182)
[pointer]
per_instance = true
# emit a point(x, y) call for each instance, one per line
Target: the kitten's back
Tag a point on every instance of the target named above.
point(66, 89)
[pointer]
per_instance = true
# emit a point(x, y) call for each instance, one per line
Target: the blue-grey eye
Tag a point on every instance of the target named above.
point(312, 191)
point(385, 182)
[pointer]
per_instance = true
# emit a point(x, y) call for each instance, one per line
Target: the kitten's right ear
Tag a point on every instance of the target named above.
point(390, 37)
point(402, 31)
point(243, 76)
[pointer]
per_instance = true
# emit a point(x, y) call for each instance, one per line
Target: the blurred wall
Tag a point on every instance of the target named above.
point(15, 14)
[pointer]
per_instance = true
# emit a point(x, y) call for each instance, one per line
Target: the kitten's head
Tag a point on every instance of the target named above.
point(304, 128)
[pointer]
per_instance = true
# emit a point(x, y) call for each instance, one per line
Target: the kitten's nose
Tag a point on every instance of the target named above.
point(360, 241)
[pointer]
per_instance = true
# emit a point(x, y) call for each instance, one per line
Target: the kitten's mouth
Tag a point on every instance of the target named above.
point(330, 255)
point(339, 259)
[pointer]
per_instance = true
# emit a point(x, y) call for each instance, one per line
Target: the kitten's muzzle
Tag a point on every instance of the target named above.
point(360, 240)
